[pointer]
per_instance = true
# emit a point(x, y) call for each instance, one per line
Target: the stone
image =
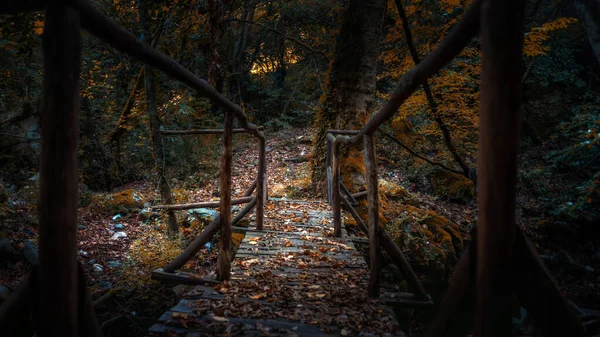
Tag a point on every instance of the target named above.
point(105, 285)
point(451, 186)
point(28, 231)
point(92, 261)
point(123, 202)
point(30, 252)
point(393, 191)
point(4, 292)
point(6, 248)
point(97, 268)
point(83, 253)
point(203, 213)
point(118, 235)
point(119, 226)
point(114, 264)
point(80, 227)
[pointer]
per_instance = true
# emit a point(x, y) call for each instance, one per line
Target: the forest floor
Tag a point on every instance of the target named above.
point(118, 266)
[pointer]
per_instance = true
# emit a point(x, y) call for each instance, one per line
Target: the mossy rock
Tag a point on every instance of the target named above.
point(393, 191)
point(126, 201)
point(433, 242)
point(452, 186)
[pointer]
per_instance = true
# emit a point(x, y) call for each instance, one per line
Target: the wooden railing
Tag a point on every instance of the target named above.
point(499, 261)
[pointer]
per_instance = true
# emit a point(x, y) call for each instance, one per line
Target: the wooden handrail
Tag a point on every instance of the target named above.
point(205, 204)
point(448, 49)
point(201, 131)
point(110, 32)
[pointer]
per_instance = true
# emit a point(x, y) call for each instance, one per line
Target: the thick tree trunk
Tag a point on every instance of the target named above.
point(157, 144)
point(349, 92)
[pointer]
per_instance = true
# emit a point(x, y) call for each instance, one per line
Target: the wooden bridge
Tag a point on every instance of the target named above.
point(496, 265)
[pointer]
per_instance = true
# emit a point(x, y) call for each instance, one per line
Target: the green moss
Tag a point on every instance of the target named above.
point(452, 186)
point(124, 201)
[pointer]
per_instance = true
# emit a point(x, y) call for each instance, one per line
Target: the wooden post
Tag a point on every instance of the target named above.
point(373, 197)
point(501, 41)
point(328, 168)
point(58, 173)
point(335, 191)
point(224, 262)
point(260, 185)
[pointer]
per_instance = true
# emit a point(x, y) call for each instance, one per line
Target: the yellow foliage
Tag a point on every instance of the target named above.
point(150, 251)
point(533, 45)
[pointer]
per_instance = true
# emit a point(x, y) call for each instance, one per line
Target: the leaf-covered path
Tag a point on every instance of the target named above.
point(293, 278)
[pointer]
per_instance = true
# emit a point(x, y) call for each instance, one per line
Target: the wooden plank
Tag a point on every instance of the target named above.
point(204, 204)
point(225, 256)
point(373, 197)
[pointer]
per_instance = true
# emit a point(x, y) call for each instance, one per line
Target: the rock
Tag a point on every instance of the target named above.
point(393, 191)
point(114, 264)
point(452, 186)
point(30, 252)
point(35, 177)
point(83, 253)
point(203, 213)
point(92, 261)
point(6, 249)
point(118, 235)
point(4, 292)
point(119, 226)
point(126, 201)
point(97, 268)
point(80, 227)
point(28, 231)
point(433, 242)
point(146, 214)
point(105, 285)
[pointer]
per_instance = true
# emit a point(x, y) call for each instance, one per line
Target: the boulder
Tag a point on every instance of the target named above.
point(126, 201)
point(393, 191)
point(6, 250)
point(433, 242)
point(30, 252)
point(451, 186)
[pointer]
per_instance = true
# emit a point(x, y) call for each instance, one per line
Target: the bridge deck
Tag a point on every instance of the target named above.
point(290, 279)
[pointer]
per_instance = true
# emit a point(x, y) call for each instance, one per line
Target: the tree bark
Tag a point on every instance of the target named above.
point(224, 262)
point(349, 93)
point(59, 173)
point(430, 99)
point(157, 142)
point(500, 107)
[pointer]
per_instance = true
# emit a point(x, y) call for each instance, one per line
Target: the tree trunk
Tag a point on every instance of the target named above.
point(589, 12)
point(349, 92)
point(157, 144)
point(432, 103)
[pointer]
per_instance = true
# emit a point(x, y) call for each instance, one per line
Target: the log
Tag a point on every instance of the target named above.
point(241, 214)
point(204, 204)
point(195, 246)
point(348, 194)
point(261, 180)
point(358, 195)
point(539, 294)
point(456, 312)
point(343, 132)
point(450, 46)
point(393, 251)
point(250, 189)
point(335, 191)
point(201, 132)
point(225, 256)
point(499, 121)
point(110, 32)
point(59, 113)
point(373, 198)
point(182, 278)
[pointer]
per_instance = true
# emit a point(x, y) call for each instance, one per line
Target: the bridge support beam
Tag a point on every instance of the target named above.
point(373, 198)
